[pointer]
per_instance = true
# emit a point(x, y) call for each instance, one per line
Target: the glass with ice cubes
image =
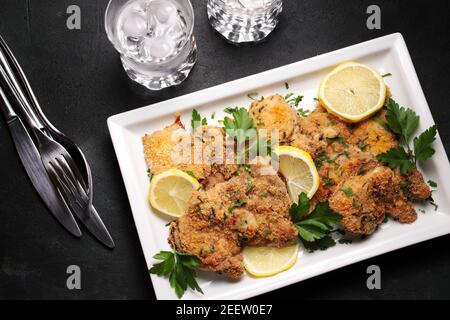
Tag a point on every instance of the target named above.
point(244, 20)
point(154, 39)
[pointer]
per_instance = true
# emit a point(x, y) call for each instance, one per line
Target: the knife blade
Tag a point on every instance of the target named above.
point(87, 214)
point(32, 163)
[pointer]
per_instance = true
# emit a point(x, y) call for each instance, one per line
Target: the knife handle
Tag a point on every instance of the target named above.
point(17, 100)
point(7, 110)
point(19, 80)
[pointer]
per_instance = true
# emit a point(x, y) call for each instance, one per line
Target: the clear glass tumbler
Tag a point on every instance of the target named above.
point(244, 20)
point(154, 39)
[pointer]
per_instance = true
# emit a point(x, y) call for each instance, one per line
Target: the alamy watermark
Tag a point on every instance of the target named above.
point(73, 21)
point(74, 279)
point(374, 20)
point(374, 280)
point(211, 145)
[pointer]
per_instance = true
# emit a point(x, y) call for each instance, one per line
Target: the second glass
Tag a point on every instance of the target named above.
point(244, 20)
point(154, 39)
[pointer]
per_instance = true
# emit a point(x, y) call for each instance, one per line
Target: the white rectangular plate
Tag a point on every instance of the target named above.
point(386, 54)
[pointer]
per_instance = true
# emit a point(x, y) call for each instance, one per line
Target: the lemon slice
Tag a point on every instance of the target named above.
point(268, 261)
point(352, 91)
point(299, 170)
point(171, 190)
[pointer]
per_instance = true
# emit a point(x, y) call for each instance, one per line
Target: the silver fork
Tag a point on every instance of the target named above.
point(59, 164)
point(49, 149)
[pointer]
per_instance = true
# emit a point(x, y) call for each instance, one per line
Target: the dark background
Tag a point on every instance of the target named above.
point(79, 82)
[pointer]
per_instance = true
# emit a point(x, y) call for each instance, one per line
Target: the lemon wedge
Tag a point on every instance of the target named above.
point(268, 261)
point(352, 91)
point(299, 170)
point(171, 190)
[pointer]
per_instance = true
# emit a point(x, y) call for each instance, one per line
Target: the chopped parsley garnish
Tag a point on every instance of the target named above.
point(347, 191)
point(339, 139)
point(362, 145)
point(213, 115)
point(293, 99)
point(432, 184)
point(434, 204)
point(404, 186)
point(180, 268)
point(205, 252)
point(314, 229)
point(404, 122)
point(149, 174)
point(236, 204)
point(303, 112)
point(328, 181)
point(322, 156)
point(197, 120)
point(355, 204)
point(249, 188)
point(191, 174)
point(286, 85)
point(253, 95)
point(345, 241)
point(387, 75)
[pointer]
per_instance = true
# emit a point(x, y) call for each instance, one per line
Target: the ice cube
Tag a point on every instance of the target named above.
point(166, 11)
point(135, 25)
point(163, 10)
point(161, 47)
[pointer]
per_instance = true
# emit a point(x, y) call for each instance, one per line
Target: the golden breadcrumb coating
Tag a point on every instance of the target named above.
point(251, 208)
point(360, 200)
point(274, 113)
point(373, 137)
point(162, 150)
point(242, 205)
point(347, 154)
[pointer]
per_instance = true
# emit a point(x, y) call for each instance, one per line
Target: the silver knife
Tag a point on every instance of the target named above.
point(89, 215)
point(32, 163)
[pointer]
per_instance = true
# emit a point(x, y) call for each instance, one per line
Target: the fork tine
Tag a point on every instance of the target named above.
point(56, 178)
point(74, 192)
point(74, 170)
point(71, 176)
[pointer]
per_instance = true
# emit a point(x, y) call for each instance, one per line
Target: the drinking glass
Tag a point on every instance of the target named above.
point(244, 20)
point(154, 39)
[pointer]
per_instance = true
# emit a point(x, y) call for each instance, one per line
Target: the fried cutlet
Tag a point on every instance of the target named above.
point(251, 208)
point(274, 114)
point(347, 154)
point(202, 153)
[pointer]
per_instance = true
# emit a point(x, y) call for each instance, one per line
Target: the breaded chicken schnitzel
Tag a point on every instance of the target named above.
point(274, 114)
point(203, 153)
point(346, 156)
point(173, 147)
point(251, 208)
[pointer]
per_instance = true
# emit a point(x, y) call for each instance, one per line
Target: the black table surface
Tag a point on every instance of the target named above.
point(79, 81)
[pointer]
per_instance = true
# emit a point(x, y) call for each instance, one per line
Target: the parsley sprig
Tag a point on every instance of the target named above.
point(197, 120)
point(240, 127)
point(293, 99)
point(314, 229)
point(180, 268)
point(404, 122)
